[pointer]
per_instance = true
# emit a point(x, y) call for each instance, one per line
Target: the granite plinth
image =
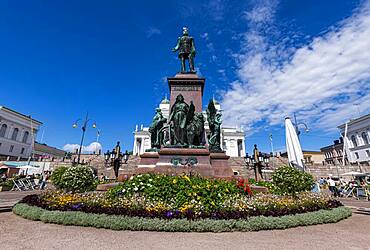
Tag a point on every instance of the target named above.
point(202, 167)
point(191, 87)
point(148, 159)
point(208, 164)
point(219, 162)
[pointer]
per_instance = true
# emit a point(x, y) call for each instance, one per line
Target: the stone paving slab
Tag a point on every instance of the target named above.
point(9, 198)
point(354, 203)
point(18, 233)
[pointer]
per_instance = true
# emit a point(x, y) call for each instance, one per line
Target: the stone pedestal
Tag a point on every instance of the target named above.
point(208, 164)
point(219, 162)
point(202, 156)
point(172, 160)
point(190, 85)
point(148, 159)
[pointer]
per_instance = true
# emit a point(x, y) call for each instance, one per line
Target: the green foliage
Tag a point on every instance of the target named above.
point(182, 192)
point(117, 222)
point(291, 181)
point(77, 179)
point(7, 185)
point(56, 176)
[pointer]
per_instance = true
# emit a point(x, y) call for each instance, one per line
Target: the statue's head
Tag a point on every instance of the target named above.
point(118, 143)
point(255, 145)
point(185, 31)
point(180, 98)
point(158, 110)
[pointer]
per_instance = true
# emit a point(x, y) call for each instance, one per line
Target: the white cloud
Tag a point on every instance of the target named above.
point(93, 147)
point(153, 31)
point(205, 36)
point(216, 9)
point(320, 81)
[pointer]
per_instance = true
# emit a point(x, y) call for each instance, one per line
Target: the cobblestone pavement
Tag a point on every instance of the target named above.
point(19, 233)
point(9, 198)
point(353, 203)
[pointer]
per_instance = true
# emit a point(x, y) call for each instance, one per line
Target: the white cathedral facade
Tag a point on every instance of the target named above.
point(232, 138)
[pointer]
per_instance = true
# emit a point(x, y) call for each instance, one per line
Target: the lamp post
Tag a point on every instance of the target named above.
point(84, 127)
point(296, 126)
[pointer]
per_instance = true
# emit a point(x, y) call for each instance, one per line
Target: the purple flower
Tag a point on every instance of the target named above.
point(76, 206)
point(169, 214)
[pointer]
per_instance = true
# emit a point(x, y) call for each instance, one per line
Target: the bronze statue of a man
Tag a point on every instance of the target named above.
point(117, 159)
point(156, 135)
point(178, 119)
point(257, 165)
point(185, 46)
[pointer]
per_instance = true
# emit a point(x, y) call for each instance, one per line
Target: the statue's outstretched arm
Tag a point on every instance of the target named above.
point(177, 45)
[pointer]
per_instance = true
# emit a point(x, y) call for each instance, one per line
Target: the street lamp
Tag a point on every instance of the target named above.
point(84, 127)
point(106, 156)
point(260, 157)
point(126, 155)
point(296, 126)
point(247, 159)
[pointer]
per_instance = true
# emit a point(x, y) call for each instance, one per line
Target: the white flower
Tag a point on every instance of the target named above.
point(135, 189)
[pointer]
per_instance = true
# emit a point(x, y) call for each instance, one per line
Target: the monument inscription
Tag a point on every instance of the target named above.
point(186, 88)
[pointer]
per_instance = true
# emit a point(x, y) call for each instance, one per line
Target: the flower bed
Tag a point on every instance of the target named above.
point(177, 197)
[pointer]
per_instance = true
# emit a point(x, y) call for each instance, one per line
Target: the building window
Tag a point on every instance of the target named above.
point(357, 156)
point(0, 144)
point(354, 142)
point(25, 137)
point(3, 130)
point(11, 148)
point(22, 151)
point(240, 148)
point(368, 153)
point(364, 138)
point(15, 134)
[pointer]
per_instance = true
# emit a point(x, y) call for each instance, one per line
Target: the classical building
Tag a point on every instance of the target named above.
point(232, 138)
point(334, 153)
point(17, 133)
point(310, 157)
point(357, 138)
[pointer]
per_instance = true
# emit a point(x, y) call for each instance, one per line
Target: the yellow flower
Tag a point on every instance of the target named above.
point(186, 177)
point(174, 181)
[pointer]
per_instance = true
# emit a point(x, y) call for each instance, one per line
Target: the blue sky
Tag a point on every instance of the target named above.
point(263, 60)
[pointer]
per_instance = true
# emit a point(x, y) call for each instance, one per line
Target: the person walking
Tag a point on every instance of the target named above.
point(43, 180)
point(332, 186)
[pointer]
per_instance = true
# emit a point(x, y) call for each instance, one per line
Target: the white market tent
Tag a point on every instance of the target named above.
point(352, 173)
point(293, 147)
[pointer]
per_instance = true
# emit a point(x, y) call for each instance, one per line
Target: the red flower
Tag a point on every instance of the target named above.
point(243, 184)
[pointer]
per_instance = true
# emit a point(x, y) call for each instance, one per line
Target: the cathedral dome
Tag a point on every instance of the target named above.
point(165, 101)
